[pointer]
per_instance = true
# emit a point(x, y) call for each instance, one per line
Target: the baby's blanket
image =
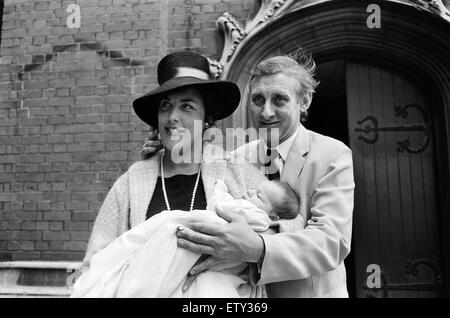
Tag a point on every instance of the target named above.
point(146, 262)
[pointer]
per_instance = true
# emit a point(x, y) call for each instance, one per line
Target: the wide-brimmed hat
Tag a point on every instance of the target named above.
point(188, 69)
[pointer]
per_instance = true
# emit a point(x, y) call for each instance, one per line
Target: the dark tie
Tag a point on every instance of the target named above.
point(272, 172)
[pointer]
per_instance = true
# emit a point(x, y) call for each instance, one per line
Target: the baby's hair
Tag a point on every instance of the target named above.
point(289, 206)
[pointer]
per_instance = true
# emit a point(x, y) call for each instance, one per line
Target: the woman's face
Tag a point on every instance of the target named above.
point(181, 116)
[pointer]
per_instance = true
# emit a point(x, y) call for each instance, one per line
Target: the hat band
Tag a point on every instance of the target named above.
point(191, 72)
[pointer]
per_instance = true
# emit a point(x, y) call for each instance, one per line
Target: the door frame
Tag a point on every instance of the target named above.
point(419, 48)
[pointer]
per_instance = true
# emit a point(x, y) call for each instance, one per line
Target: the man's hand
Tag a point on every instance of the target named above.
point(232, 242)
point(151, 144)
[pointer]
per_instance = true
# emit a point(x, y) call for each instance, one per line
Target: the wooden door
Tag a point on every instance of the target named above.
point(396, 212)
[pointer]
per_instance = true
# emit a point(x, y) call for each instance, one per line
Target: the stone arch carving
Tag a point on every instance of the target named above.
point(411, 37)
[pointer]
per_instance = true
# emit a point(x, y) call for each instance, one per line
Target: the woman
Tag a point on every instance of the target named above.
point(178, 177)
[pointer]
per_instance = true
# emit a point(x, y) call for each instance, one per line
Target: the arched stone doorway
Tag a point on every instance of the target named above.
point(393, 77)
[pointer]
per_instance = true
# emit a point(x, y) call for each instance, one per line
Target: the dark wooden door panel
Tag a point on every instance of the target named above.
point(395, 216)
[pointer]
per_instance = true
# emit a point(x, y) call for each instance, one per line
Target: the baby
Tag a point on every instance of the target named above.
point(146, 262)
point(277, 199)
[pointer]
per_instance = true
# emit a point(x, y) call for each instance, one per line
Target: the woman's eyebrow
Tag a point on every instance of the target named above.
point(188, 100)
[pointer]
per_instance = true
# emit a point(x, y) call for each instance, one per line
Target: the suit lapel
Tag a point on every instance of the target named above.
point(296, 156)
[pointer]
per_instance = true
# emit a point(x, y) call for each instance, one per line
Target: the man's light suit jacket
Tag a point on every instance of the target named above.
point(309, 262)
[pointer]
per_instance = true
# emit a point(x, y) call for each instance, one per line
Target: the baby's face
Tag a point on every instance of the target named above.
point(265, 196)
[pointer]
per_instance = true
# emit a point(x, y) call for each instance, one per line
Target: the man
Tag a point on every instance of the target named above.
point(309, 262)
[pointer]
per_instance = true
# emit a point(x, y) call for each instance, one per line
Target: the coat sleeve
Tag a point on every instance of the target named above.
point(325, 241)
point(107, 224)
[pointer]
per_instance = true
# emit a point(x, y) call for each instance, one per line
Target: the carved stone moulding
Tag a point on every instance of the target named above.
point(270, 10)
point(235, 33)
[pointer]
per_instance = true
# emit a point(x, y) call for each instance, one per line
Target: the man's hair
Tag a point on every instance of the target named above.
point(289, 205)
point(299, 65)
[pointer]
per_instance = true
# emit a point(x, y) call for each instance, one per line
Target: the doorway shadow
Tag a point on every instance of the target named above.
point(327, 115)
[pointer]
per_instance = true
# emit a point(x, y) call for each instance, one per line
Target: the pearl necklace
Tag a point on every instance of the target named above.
point(166, 199)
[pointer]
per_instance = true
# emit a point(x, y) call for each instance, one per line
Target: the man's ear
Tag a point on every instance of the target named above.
point(305, 102)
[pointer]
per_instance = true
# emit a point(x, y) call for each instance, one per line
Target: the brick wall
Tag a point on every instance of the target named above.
point(67, 129)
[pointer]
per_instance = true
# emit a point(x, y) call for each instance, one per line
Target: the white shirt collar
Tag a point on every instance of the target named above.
point(285, 146)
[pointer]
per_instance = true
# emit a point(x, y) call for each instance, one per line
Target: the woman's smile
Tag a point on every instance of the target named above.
point(174, 131)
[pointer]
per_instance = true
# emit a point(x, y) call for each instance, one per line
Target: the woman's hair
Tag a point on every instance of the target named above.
point(289, 206)
point(207, 102)
point(299, 65)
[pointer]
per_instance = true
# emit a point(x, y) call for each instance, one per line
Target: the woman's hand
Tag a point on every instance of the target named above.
point(152, 144)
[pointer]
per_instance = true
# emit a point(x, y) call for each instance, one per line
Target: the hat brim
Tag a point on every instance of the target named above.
point(222, 98)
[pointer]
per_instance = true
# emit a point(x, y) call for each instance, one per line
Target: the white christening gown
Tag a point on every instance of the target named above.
point(146, 261)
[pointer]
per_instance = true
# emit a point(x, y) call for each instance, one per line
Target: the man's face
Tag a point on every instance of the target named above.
point(274, 104)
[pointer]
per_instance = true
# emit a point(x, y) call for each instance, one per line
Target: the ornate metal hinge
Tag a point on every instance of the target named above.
point(400, 111)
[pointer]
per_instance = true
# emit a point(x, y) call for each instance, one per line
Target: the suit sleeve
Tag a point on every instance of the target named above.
point(325, 241)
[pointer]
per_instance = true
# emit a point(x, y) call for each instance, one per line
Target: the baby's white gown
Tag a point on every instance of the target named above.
point(146, 261)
